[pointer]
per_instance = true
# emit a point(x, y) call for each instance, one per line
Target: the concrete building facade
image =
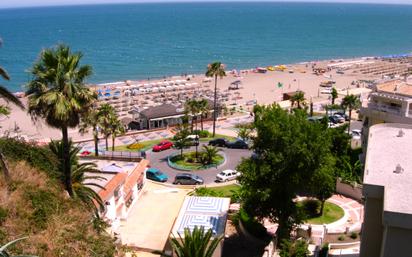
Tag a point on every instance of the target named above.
point(387, 227)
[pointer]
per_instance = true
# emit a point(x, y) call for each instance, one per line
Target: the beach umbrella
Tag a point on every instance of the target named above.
point(169, 88)
point(155, 89)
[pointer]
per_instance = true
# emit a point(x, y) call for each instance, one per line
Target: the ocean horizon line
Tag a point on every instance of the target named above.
point(143, 2)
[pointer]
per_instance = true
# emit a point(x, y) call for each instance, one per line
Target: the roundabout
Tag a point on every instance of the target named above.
point(231, 158)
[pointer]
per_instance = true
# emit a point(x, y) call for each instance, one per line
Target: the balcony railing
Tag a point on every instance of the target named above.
point(385, 108)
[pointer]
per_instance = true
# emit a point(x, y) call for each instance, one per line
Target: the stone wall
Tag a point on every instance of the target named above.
point(354, 192)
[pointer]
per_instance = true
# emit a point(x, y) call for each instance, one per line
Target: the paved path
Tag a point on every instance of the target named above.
point(351, 221)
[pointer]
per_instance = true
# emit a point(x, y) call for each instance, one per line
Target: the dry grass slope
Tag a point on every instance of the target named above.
point(36, 206)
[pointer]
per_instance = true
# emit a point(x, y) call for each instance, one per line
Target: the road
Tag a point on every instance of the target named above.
point(233, 158)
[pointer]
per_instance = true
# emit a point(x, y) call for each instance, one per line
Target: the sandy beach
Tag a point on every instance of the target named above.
point(262, 87)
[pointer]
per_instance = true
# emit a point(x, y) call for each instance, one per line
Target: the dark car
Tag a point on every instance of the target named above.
point(188, 179)
point(238, 144)
point(333, 119)
point(218, 142)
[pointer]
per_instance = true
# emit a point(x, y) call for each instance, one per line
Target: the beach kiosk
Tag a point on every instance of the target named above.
point(209, 212)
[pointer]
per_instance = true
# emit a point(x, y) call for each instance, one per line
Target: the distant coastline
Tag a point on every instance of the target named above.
point(143, 42)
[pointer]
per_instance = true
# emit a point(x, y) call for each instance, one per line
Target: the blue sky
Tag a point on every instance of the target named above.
point(23, 3)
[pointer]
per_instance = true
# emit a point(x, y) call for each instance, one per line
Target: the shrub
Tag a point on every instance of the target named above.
point(297, 248)
point(341, 238)
point(135, 146)
point(204, 191)
point(253, 226)
point(38, 157)
point(311, 207)
point(45, 204)
point(202, 133)
point(3, 215)
point(353, 235)
point(324, 250)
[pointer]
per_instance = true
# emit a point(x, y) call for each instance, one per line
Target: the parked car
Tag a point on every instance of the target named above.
point(356, 134)
point(333, 119)
point(326, 91)
point(164, 145)
point(339, 118)
point(188, 179)
point(193, 140)
point(238, 144)
point(343, 115)
point(218, 142)
point(227, 175)
point(156, 175)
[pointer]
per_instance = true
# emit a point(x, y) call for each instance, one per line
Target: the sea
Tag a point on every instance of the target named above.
point(141, 41)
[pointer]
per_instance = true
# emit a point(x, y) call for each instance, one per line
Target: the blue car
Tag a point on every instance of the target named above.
point(156, 175)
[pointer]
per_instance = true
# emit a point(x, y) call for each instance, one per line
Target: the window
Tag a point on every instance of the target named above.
point(117, 193)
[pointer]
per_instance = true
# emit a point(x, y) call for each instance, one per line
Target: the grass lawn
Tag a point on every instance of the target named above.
point(189, 162)
point(331, 212)
point(226, 191)
point(206, 139)
point(147, 145)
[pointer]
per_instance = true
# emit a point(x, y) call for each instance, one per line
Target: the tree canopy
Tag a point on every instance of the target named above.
point(292, 156)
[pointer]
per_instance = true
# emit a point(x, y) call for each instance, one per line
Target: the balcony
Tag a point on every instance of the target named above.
point(385, 108)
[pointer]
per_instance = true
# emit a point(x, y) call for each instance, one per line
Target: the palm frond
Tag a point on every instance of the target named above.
point(4, 74)
point(6, 95)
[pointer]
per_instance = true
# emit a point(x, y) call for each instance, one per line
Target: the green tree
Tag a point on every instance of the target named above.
point(106, 113)
point(192, 109)
point(298, 248)
point(290, 151)
point(116, 129)
point(334, 95)
point(244, 131)
point(9, 97)
point(298, 100)
point(203, 106)
point(91, 120)
point(209, 153)
point(81, 183)
point(180, 138)
point(57, 94)
point(3, 249)
point(196, 243)
point(215, 70)
point(350, 103)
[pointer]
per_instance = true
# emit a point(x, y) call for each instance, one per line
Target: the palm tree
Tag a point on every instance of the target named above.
point(210, 152)
point(334, 95)
point(116, 129)
point(299, 99)
point(196, 243)
point(80, 181)
point(180, 139)
point(3, 248)
point(91, 119)
point(191, 107)
point(6, 95)
point(57, 94)
point(216, 70)
point(106, 113)
point(203, 108)
point(350, 102)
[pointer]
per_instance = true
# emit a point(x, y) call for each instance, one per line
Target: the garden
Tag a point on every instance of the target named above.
point(207, 158)
point(311, 210)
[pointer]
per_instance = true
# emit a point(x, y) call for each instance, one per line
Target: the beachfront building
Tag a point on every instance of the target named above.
point(123, 183)
point(387, 226)
point(391, 102)
point(162, 116)
point(209, 212)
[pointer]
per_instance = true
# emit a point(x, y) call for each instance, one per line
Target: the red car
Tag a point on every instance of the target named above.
point(164, 145)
